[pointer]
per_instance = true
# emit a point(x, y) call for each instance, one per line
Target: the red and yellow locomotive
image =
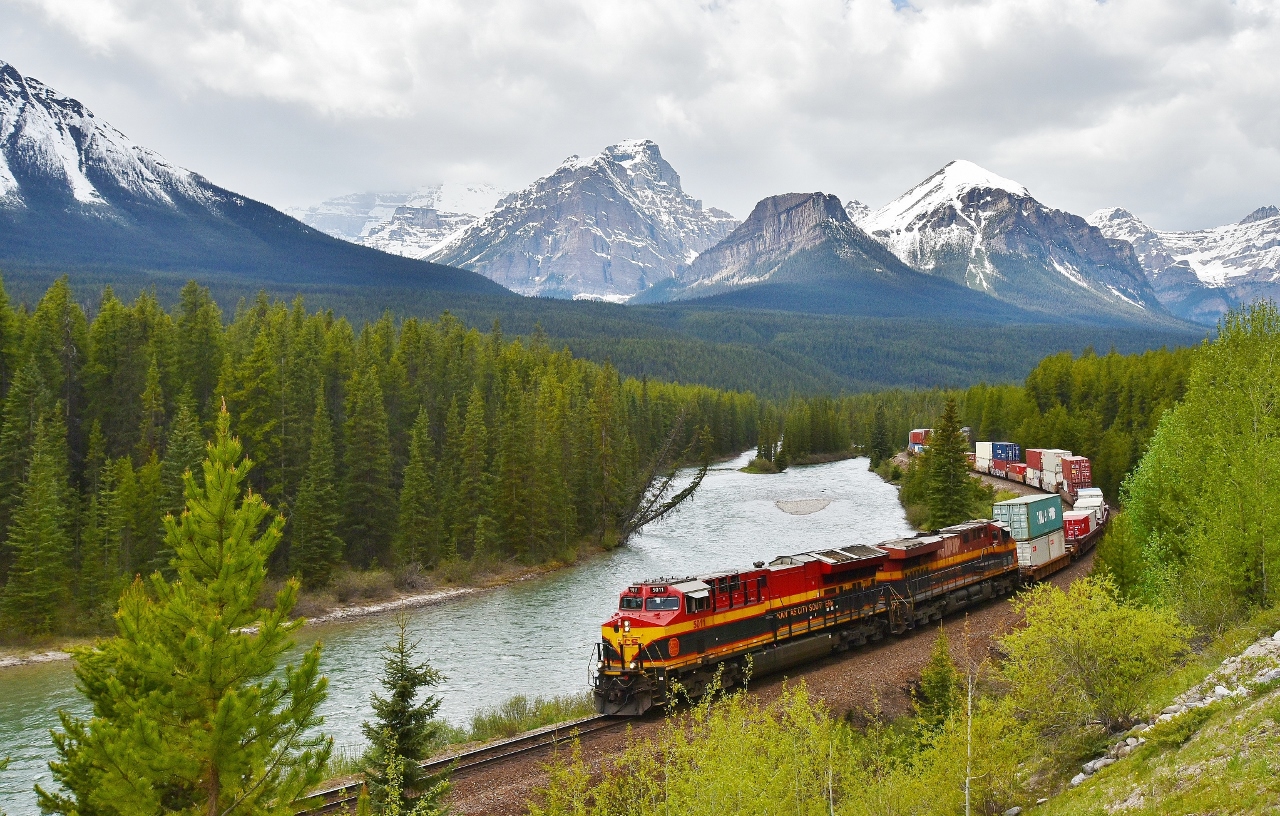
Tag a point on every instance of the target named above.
point(796, 608)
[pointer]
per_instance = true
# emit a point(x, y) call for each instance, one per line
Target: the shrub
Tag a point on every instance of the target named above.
point(520, 714)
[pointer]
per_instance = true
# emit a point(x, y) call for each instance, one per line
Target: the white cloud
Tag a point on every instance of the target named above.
point(1167, 108)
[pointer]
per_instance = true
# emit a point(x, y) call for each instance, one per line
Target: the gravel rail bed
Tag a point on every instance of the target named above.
point(874, 676)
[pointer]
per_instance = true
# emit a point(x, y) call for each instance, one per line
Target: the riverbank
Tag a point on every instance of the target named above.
point(761, 467)
point(328, 606)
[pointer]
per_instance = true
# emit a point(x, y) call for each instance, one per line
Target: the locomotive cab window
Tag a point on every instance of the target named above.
point(669, 603)
point(629, 602)
point(697, 603)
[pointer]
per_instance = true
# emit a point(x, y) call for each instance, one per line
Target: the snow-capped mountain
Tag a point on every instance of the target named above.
point(987, 232)
point(78, 195)
point(605, 227)
point(1201, 274)
point(52, 147)
point(409, 224)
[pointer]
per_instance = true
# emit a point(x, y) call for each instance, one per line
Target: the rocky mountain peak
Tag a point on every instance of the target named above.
point(1261, 214)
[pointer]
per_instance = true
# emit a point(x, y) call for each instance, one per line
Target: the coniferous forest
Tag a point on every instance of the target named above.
point(389, 444)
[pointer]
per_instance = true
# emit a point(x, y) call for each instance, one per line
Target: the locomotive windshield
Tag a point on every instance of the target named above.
point(629, 602)
point(667, 604)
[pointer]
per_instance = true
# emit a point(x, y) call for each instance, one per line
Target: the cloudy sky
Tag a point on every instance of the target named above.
point(1171, 109)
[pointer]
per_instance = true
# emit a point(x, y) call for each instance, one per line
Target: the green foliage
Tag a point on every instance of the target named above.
point(939, 695)
point(314, 547)
point(190, 712)
point(519, 714)
point(419, 534)
point(1175, 732)
point(1070, 671)
point(1204, 505)
point(34, 599)
point(183, 454)
point(879, 446)
point(367, 499)
point(405, 730)
point(950, 487)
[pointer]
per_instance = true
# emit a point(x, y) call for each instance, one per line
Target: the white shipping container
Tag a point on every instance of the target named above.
point(1042, 550)
point(982, 465)
point(1033, 477)
point(1052, 460)
point(984, 450)
point(1049, 480)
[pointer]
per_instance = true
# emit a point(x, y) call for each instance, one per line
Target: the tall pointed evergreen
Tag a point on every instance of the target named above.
point(418, 533)
point(949, 490)
point(184, 452)
point(27, 401)
point(151, 428)
point(472, 498)
point(35, 595)
point(315, 547)
point(368, 500)
point(404, 729)
point(880, 447)
point(190, 711)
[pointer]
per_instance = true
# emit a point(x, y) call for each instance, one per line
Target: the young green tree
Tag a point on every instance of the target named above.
point(315, 547)
point(405, 730)
point(199, 346)
point(473, 493)
point(880, 448)
point(418, 534)
point(190, 712)
point(949, 489)
point(1070, 645)
point(184, 452)
point(940, 686)
point(27, 401)
point(368, 501)
point(35, 596)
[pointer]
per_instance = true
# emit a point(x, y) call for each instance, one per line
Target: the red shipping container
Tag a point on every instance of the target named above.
point(1017, 471)
point(1077, 524)
point(999, 467)
point(972, 457)
point(920, 436)
point(1035, 458)
point(1076, 472)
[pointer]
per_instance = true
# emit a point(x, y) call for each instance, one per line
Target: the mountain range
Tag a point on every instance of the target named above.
point(76, 194)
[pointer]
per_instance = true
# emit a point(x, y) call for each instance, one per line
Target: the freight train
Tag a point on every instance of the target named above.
point(685, 634)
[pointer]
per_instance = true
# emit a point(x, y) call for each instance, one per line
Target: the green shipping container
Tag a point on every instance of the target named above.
point(1030, 517)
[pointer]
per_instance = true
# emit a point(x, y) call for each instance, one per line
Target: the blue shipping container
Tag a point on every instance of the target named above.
point(1007, 451)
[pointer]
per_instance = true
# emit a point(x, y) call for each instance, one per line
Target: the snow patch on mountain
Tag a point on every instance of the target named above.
point(54, 142)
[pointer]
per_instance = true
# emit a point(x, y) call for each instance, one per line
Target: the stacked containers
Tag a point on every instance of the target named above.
point(971, 459)
point(918, 439)
point(1035, 522)
point(999, 467)
point(1017, 472)
point(1076, 472)
point(1090, 499)
point(1051, 467)
point(982, 457)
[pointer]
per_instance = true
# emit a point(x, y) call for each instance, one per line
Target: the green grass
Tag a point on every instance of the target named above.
point(520, 714)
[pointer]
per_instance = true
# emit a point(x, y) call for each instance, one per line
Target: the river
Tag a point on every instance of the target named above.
point(532, 638)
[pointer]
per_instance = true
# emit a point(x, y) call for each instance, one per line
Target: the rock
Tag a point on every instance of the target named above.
point(1093, 766)
point(1041, 801)
point(1124, 751)
point(1220, 692)
point(1075, 781)
point(1276, 636)
point(1139, 728)
point(1132, 741)
point(1173, 709)
point(1013, 811)
point(1164, 718)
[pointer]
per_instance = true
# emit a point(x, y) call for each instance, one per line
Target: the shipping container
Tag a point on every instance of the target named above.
point(972, 459)
point(1090, 492)
point(1040, 551)
point(982, 465)
point(1049, 480)
point(1035, 458)
point(1030, 517)
point(1017, 472)
point(1051, 459)
point(1008, 451)
point(1077, 523)
point(1031, 477)
point(999, 467)
point(920, 436)
point(1076, 472)
point(984, 450)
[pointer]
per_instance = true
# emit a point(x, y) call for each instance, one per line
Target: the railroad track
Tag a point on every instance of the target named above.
point(343, 798)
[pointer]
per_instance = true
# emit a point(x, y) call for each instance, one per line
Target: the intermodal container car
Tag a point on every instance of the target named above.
point(1039, 551)
point(1076, 472)
point(1029, 517)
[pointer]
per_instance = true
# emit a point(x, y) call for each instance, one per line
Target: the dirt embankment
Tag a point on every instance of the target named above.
point(875, 677)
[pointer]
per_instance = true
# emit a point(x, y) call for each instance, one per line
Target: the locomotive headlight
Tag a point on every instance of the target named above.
point(632, 664)
point(599, 664)
point(626, 626)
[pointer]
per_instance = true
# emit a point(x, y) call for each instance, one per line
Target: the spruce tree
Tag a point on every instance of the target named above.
point(939, 694)
point(35, 595)
point(418, 533)
point(880, 448)
point(190, 712)
point(368, 500)
point(473, 496)
point(151, 428)
point(405, 730)
point(314, 546)
point(27, 401)
point(950, 493)
point(184, 452)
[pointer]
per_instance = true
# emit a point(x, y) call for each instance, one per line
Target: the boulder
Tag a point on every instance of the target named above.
point(1077, 779)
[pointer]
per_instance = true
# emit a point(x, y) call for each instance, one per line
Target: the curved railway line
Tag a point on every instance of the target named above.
point(342, 799)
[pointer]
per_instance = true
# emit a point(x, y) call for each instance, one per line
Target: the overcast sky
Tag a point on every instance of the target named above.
point(1171, 109)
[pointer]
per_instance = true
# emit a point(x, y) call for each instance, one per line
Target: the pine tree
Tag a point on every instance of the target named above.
point(315, 547)
point(27, 401)
point(199, 346)
point(473, 496)
point(418, 534)
point(939, 694)
point(949, 490)
point(184, 453)
point(190, 713)
point(151, 429)
point(36, 593)
point(368, 500)
point(880, 448)
point(405, 730)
